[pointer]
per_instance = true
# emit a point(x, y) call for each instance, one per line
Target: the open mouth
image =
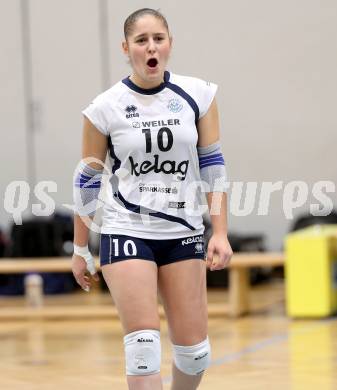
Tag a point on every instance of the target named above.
point(152, 62)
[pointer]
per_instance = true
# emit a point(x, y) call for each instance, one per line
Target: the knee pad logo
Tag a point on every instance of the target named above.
point(142, 340)
point(201, 356)
point(140, 362)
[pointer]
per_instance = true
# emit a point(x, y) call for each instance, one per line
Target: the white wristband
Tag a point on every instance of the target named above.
point(84, 252)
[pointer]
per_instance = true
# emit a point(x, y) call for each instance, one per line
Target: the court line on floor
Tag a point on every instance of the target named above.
point(259, 346)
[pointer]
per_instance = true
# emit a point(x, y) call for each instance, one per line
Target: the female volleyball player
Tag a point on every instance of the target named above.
point(161, 133)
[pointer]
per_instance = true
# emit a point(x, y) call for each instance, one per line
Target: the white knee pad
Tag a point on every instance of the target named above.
point(142, 352)
point(194, 359)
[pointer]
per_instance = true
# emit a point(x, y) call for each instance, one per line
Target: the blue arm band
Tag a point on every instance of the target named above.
point(87, 185)
point(212, 168)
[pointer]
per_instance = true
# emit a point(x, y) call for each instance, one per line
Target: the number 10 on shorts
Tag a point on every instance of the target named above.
point(129, 247)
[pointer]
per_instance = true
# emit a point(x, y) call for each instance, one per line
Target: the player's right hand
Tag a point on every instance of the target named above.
point(80, 272)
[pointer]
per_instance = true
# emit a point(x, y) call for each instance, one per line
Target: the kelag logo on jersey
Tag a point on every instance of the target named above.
point(175, 105)
point(131, 112)
point(157, 166)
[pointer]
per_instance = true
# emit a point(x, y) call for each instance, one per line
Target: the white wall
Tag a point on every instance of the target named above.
point(274, 63)
point(12, 110)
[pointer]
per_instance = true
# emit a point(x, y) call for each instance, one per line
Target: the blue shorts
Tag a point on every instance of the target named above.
point(118, 247)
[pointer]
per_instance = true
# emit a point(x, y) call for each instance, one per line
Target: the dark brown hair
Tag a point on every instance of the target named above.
point(132, 19)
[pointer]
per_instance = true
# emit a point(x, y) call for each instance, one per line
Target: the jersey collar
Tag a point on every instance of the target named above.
point(150, 91)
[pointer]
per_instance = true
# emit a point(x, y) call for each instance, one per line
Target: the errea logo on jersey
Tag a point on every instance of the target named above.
point(131, 111)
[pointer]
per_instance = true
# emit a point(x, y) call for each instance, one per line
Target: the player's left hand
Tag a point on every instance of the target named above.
point(219, 252)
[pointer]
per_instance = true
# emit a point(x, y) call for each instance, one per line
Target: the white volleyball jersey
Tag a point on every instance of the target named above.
point(153, 190)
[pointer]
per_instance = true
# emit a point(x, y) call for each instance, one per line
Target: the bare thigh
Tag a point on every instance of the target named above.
point(133, 287)
point(182, 287)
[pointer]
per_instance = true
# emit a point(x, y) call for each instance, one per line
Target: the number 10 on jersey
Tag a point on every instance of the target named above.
point(160, 139)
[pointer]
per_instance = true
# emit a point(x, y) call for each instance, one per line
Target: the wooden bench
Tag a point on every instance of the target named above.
point(239, 284)
point(239, 281)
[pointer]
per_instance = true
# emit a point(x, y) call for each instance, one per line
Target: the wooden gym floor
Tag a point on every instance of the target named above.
point(261, 351)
